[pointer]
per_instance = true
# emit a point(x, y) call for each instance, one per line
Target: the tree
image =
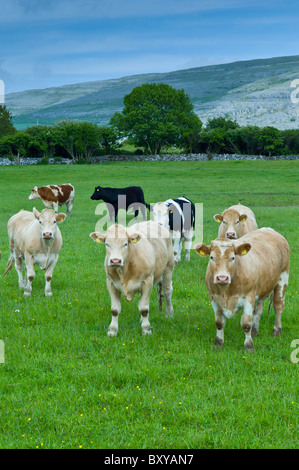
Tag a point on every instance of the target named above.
point(16, 145)
point(155, 115)
point(79, 139)
point(221, 123)
point(271, 140)
point(6, 125)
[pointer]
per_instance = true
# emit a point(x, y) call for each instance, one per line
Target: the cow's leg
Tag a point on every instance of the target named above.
point(143, 305)
point(19, 269)
point(48, 276)
point(258, 310)
point(278, 302)
point(115, 296)
point(143, 210)
point(55, 207)
point(29, 262)
point(188, 243)
point(69, 206)
point(177, 246)
point(220, 324)
point(167, 290)
point(246, 323)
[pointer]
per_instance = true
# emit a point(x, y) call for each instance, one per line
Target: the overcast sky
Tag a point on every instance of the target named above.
point(46, 43)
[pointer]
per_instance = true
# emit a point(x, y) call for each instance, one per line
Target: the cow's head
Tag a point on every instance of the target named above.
point(161, 214)
point(222, 258)
point(34, 193)
point(97, 195)
point(118, 240)
point(48, 222)
point(230, 221)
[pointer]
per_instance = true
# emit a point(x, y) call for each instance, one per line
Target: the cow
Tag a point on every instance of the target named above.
point(35, 238)
point(137, 257)
point(121, 198)
point(178, 216)
point(241, 274)
point(235, 222)
point(55, 195)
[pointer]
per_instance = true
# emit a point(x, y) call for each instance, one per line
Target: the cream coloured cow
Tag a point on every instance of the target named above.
point(235, 222)
point(35, 238)
point(137, 258)
point(241, 274)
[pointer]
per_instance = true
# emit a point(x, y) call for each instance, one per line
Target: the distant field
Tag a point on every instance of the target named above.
point(64, 384)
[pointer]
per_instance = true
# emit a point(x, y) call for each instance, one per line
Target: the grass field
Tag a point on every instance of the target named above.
point(65, 384)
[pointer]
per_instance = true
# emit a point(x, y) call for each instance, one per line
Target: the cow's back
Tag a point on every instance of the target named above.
point(260, 269)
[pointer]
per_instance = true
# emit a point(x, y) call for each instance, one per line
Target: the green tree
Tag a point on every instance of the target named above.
point(79, 139)
point(221, 123)
point(6, 125)
point(15, 145)
point(155, 115)
point(271, 140)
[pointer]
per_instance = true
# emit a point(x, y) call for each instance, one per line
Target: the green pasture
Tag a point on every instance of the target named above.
point(65, 384)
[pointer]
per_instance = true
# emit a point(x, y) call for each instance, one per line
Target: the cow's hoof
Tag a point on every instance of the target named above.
point(27, 294)
point(169, 312)
point(147, 331)
point(111, 333)
point(249, 347)
point(48, 294)
point(276, 331)
point(219, 342)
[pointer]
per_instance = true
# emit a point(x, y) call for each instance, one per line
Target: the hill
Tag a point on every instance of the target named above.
point(251, 92)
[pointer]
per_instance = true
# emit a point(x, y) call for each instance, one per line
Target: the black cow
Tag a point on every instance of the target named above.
point(121, 198)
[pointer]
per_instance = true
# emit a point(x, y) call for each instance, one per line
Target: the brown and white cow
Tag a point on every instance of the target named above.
point(241, 274)
point(235, 222)
point(137, 258)
point(35, 238)
point(55, 195)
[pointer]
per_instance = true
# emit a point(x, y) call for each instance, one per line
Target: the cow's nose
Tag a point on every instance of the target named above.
point(115, 262)
point(222, 279)
point(230, 234)
point(47, 235)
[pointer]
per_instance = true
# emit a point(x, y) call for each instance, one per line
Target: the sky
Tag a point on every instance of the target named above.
point(46, 43)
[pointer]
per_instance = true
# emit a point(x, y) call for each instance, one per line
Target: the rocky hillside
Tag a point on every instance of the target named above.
point(251, 92)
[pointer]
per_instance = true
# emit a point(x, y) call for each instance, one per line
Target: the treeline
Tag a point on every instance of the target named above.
point(154, 118)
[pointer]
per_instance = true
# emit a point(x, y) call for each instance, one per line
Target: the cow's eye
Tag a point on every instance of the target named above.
point(238, 221)
point(232, 258)
point(40, 222)
point(54, 221)
point(212, 258)
point(126, 244)
point(223, 221)
point(107, 245)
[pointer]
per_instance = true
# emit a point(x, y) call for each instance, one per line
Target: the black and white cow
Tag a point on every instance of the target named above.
point(178, 216)
point(121, 198)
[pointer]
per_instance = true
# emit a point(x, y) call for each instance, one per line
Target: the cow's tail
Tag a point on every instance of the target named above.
point(161, 296)
point(9, 265)
point(270, 303)
point(148, 206)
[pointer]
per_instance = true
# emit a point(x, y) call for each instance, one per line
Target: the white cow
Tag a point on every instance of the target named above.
point(35, 238)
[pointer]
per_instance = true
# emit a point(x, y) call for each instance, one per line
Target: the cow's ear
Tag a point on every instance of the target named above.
point(36, 213)
point(243, 249)
point(218, 218)
point(243, 217)
point(98, 237)
point(134, 237)
point(203, 250)
point(60, 217)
